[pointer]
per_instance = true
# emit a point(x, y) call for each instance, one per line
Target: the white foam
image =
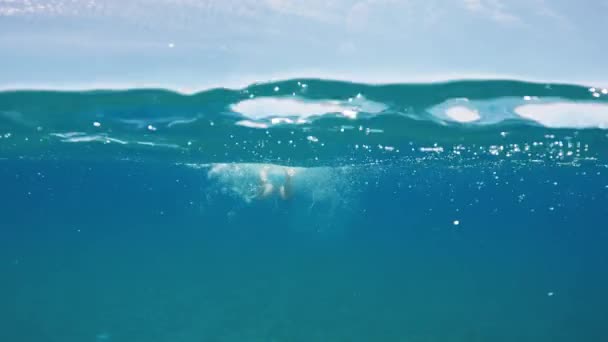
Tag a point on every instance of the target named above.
point(92, 138)
point(251, 124)
point(373, 131)
point(68, 134)
point(80, 137)
point(181, 122)
point(462, 114)
point(278, 121)
point(262, 108)
point(566, 114)
point(434, 149)
point(153, 144)
point(168, 121)
point(349, 113)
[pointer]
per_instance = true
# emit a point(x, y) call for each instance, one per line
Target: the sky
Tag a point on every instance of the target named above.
point(190, 45)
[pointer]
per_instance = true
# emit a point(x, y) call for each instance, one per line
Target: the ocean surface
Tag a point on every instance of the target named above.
point(305, 210)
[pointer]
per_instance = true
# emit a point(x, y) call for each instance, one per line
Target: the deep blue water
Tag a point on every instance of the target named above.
point(136, 252)
point(402, 224)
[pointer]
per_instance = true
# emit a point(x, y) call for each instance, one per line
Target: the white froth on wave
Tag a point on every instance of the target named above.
point(462, 114)
point(77, 137)
point(566, 114)
point(181, 122)
point(153, 144)
point(94, 138)
point(435, 149)
point(168, 122)
point(349, 113)
point(67, 134)
point(279, 121)
point(264, 108)
point(251, 124)
point(81, 137)
point(261, 108)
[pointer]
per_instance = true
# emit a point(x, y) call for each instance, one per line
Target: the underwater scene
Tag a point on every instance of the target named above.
point(305, 210)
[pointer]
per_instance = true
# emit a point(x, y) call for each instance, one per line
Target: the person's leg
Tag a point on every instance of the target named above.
point(266, 187)
point(286, 190)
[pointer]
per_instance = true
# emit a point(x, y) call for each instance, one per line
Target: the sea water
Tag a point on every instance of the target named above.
point(459, 211)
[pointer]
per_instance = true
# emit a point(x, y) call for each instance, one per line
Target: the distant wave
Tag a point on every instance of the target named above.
point(312, 122)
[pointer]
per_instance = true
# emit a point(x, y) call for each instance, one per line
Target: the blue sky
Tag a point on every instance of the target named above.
point(190, 44)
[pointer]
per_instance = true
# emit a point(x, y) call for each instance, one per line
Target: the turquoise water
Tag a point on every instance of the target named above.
point(305, 210)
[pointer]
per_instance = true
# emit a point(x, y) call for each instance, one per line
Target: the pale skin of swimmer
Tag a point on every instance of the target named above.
point(267, 188)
